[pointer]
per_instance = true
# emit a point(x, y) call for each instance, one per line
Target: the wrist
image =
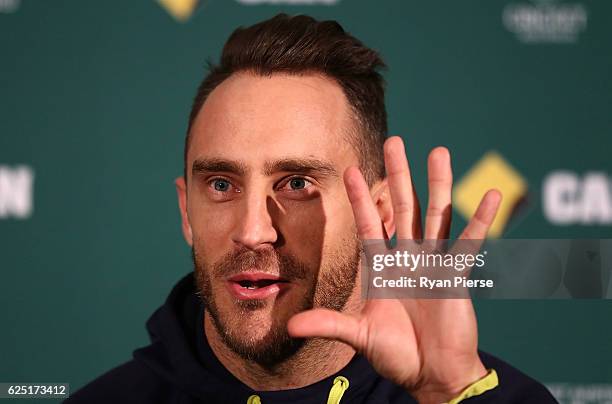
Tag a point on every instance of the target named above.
point(452, 386)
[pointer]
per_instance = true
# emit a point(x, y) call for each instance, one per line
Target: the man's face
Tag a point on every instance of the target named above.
point(271, 226)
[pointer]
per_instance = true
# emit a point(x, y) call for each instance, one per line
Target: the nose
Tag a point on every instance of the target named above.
point(255, 225)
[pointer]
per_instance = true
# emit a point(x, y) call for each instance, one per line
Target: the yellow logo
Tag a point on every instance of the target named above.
point(181, 10)
point(492, 171)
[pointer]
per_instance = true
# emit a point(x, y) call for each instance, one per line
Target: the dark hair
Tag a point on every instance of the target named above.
point(298, 45)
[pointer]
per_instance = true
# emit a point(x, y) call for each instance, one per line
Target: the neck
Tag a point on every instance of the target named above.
point(316, 360)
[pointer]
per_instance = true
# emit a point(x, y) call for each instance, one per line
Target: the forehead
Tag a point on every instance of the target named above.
point(256, 118)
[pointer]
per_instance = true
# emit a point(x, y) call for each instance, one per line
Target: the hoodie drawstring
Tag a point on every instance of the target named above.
point(254, 399)
point(341, 384)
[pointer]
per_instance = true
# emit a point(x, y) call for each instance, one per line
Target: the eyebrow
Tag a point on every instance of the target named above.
point(206, 165)
point(312, 166)
point(296, 165)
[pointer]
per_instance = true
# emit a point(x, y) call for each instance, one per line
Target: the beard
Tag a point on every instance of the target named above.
point(327, 286)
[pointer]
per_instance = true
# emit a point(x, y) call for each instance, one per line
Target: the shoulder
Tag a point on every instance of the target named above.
point(131, 382)
point(514, 385)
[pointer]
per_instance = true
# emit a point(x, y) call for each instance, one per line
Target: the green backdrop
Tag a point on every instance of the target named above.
point(94, 97)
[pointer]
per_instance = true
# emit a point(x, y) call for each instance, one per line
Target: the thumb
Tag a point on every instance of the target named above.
point(325, 323)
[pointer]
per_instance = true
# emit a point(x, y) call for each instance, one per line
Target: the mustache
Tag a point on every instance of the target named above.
point(268, 260)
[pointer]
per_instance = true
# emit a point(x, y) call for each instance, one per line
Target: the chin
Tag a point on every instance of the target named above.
point(259, 336)
point(252, 324)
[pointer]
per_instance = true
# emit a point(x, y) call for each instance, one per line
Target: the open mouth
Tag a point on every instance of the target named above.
point(257, 284)
point(249, 285)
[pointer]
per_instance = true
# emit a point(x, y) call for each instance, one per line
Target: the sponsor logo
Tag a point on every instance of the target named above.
point(180, 10)
point(545, 21)
point(567, 197)
point(491, 171)
point(9, 6)
point(572, 199)
point(581, 393)
point(290, 2)
point(16, 191)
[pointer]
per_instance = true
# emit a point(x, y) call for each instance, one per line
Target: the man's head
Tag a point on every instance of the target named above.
point(293, 104)
point(301, 45)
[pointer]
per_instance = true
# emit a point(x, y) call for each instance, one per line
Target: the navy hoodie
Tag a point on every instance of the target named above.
point(179, 367)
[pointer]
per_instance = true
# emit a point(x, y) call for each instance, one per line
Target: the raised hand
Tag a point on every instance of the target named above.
point(429, 346)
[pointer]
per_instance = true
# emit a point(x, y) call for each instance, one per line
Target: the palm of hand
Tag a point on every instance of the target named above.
point(429, 346)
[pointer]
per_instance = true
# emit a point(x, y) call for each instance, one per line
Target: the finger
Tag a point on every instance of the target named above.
point(325, 323)
point(406, 211)
point(473, 236)
point(440, 181)
point(369, 225)
point(479, 224)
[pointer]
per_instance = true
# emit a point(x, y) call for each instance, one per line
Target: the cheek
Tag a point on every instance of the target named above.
point(211, 228)
point(302, 228)
point(340, 232)
point(312, 230)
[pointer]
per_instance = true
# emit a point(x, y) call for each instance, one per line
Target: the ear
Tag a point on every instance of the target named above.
point(181, 193)
point(382, 200)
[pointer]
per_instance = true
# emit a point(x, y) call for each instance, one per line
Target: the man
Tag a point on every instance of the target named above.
point(286, 170)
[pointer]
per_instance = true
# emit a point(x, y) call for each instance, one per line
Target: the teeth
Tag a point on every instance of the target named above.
point(251, 287)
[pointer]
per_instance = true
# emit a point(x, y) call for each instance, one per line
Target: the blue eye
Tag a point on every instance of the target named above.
point(297, 183)
point(221, 185)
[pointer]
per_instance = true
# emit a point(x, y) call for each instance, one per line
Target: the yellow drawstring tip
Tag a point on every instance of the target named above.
point(254, 399)
point(341, 384)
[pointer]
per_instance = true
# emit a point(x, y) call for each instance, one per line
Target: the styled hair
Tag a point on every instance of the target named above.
point(302, 45)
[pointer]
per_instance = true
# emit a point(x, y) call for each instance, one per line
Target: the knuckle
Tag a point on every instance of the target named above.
point(403, 207)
